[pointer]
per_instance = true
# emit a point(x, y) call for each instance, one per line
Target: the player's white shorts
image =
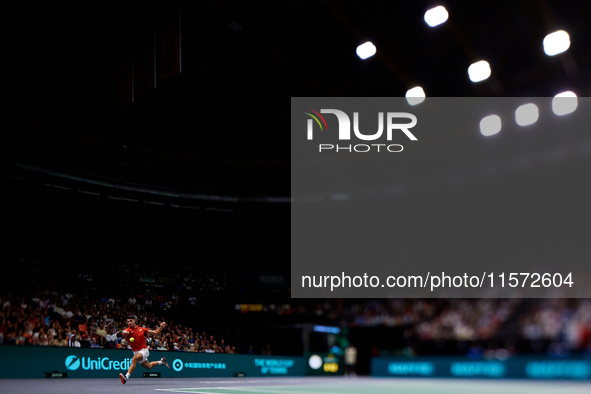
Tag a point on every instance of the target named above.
point(145, 354)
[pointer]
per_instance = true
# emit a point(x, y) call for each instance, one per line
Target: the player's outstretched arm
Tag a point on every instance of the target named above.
point(159, 330)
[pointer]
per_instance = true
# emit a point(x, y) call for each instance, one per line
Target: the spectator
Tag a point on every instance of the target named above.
point(20, 338)
point(163, 345)
point(42, 338)
point(94, 344)
point(10, 339)
point(28, 334)
point(111, 336)
point(101, 333)
point(191, 347)
point(222, 346)
point(73, 339)
point(83, 331)
point(350, 360)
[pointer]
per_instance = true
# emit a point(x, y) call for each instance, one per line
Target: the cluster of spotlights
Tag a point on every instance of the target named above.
point(554, 43)
point(562, 104)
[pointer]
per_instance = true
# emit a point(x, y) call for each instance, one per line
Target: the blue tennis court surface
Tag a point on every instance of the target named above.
point(383, 386)
point(294, 386)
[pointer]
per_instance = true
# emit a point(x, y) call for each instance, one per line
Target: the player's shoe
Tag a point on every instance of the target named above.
point(123, 378)
point(163, 360)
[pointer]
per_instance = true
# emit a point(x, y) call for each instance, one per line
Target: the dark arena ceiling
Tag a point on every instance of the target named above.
point(217, 125)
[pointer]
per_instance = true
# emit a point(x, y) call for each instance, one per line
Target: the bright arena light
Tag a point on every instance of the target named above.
point(479, 71)
point(564, 103)
point(415, 95)
point(436, 16)
point(527, 114)
point(490, 125)
point(557, 42)
point(366, 50)
point(315, 362)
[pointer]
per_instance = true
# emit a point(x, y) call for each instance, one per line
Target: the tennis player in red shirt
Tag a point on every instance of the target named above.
point(135, 336)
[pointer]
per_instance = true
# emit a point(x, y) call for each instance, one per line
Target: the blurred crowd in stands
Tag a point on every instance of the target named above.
point(65, 318)
point(566, 322)
point(563, 324)
point(52, 318)
point(86, 307)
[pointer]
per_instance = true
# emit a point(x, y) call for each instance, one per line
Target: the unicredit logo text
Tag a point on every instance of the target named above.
point(74, 362)
point(394, 122)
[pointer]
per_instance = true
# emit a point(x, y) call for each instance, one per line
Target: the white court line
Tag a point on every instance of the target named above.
point(193, 390)
point(185, 389)
point(250, 389)
point(273, 390)
point(270, 389)
point(246, 381)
